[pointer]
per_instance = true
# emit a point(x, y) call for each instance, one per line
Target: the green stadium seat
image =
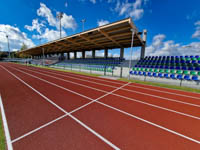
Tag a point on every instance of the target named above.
point(199, 73)
point(173, 71)
point(156, 70)
point(151, 70)
point(186, 72)
point(179, 71)
point(138, 69)
point(167, 71)
point(193, 73)
point(146, 69)
point(161, 70)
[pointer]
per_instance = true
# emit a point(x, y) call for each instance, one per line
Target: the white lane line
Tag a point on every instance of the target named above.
point(182, 95)
point(151, 123)
point(166, 88)
point(156, 106)
point(66, 80)
point(39, 128)
point(139, 87)
point(138, 101)
point(5, 125)
point(81, 123)
point(168, 99)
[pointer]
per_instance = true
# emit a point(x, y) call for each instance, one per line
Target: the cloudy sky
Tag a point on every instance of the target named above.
point(173, 26)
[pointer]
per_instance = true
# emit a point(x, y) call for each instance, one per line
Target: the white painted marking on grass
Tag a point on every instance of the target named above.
point(81, 123)
point(169, 99)
point(5, 125)
point(146, 121)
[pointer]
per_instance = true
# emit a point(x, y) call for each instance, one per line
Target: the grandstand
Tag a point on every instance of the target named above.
point(169, 67)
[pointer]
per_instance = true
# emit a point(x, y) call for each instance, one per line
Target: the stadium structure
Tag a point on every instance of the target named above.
point(49, 102)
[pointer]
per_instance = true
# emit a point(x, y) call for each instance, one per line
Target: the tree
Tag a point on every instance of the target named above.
point(24, 46)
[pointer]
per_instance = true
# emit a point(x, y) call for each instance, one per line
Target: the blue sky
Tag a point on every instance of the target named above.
point(173, 25)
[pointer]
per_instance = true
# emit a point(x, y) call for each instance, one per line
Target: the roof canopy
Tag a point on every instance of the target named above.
point(110, 36)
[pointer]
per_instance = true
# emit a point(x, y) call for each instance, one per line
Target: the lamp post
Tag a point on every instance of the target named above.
point(59, 16)
point(83, 21)
point(8, 46)
point(131, 52)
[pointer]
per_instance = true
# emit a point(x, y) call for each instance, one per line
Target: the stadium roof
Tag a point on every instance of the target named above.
point(109, 36)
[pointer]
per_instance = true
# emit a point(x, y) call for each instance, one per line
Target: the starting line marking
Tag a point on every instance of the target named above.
point(5, 124)
point(74, 118)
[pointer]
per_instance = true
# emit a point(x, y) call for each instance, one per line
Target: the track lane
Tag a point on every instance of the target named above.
point(67, 100)
point(75, 119)
point(145, 91)
point(184, 120)
point(167, 90)
point(195, 147)
point(130, 133)
point(181, 124)
point(117, 82)
point(181, 107)
point(62, 135)
point(21, 106)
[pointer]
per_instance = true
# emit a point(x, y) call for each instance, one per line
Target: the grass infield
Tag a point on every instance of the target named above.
point(2, 136)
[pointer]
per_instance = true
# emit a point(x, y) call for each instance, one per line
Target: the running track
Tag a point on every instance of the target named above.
point(48, 109)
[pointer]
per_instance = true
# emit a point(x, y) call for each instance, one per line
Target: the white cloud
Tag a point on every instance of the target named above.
point(129, 9)
point(102, 22)
point(67, 21)
point(196, 34)
point(160, 47)
point(16, 38)
point(50, 35)
point(35, 26)
point(49, 20)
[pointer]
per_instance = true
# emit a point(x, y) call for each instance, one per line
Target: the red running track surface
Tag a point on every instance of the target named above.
point(108, 114)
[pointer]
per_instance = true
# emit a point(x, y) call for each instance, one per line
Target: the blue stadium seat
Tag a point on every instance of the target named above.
point(144, 74)
point(166, 75)
point(140, 73)
point(187, 77)
point(195, 78)
point(155, 74)
point(180, 76)
point(172, 76)
point(149, 74)
point(160, 75)
point(135, 72)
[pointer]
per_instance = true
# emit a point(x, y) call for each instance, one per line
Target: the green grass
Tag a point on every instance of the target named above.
point(163, 85)
point(2, 137)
